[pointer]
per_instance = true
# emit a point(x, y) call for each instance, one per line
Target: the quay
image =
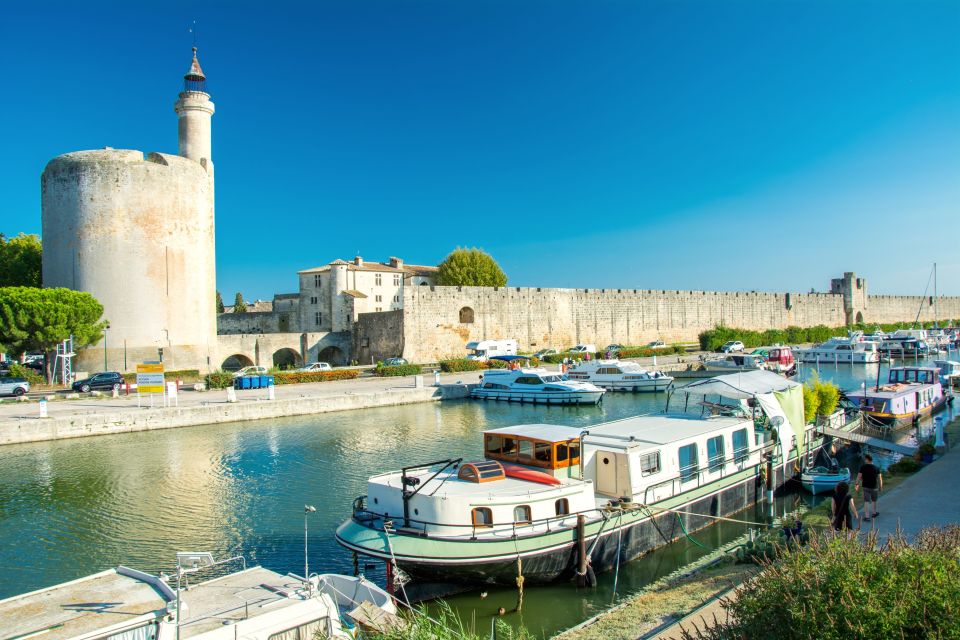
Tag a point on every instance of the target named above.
point(92, 416)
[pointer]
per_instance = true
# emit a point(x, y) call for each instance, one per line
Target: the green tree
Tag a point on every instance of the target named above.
point(219, 303)
point(239, 306)
point(34, 319)
point(20, 261)
point(470, 268)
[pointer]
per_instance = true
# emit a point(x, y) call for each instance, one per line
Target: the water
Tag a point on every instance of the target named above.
point(74, 507)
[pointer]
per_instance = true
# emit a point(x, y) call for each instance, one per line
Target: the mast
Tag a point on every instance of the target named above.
point(936, 323)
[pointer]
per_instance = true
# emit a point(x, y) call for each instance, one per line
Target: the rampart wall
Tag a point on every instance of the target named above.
point(439, 321)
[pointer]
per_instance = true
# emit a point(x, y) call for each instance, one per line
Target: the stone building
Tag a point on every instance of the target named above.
point(137, 231)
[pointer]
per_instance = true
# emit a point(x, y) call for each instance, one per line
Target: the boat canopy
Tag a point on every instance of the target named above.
point(509, 358)
point(774, 393)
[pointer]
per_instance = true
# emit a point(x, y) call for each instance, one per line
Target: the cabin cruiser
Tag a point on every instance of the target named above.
point(850, 350)
point(253, 604)
point(546, 498)
point(618, 375)
point(949, 373)
point(904, 347)
point(535, 385)
point(736, 362)
point(777, 358)
point(910, 393)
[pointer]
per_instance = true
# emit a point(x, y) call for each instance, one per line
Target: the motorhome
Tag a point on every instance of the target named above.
point(486, 349)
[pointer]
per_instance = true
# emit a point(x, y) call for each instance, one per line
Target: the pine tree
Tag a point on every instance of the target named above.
point(219, 303)
point(239, 306)
point(470, 268)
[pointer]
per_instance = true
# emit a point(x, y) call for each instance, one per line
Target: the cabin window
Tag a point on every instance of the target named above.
point(563, 507)
point(741, 446)
point(715, 453)
point(542, 452)
point(521, 514)
point(509, 448)
point(567, 453)
point(563, 452)
point(650, 463)
point(305, 631)
point(528, 380)
point(482, 517)
point(688, 462)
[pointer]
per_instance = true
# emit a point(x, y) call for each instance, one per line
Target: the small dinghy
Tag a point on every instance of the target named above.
point(823, 479)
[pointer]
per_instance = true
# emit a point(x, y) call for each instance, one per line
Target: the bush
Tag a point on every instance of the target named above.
point(444, 624)
point(840, 587)
point(398, 370)
point(218, 380)
point(299, 377)
point(811, 402)
point(904, 467)
point(712, 339)
point(462, 364)
point(31, 376)
point(828, 395)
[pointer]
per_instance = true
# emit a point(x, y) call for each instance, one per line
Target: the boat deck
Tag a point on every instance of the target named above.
point(80, 607)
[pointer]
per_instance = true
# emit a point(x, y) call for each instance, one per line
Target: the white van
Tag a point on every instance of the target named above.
point(486, 349)
point(584, 348)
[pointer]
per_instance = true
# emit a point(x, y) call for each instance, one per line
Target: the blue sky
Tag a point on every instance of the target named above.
point(681, 145)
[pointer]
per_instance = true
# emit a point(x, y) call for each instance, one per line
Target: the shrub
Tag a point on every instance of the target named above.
point(462, 364)
point(811, 402)
point(218, 380)
point(444, 624)
point(904, 466)
point(838, 587)
point(299, 377)
point(31, 376)
point(828, 395)
point(398, 370)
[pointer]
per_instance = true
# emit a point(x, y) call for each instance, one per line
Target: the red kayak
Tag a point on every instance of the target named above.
point(530, 475)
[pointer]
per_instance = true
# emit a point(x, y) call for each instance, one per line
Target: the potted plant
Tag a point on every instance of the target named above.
point(926, 452)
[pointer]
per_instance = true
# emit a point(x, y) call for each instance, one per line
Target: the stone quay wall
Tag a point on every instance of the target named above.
point(439, 321)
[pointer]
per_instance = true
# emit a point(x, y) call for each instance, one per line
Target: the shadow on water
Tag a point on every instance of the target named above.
point(75, 507)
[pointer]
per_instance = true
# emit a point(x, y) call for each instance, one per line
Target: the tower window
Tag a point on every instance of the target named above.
point(396, 298)
point(396, 279)
point(378, 279)
point(318, 318)
point(378, 298)
point(313, 299)
point(316, 279)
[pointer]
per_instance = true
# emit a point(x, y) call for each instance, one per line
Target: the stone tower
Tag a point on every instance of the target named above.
point(137, 232)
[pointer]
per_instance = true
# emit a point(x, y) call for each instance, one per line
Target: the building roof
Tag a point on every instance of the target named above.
point(195, 72)
point(353, 293)
point(257, 306)
point(381, 267)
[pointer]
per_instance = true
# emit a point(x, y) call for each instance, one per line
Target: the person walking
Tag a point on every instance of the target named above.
point(842, 508)
point(871, 480)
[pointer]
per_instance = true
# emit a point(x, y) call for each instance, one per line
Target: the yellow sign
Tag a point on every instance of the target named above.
point(150, 378)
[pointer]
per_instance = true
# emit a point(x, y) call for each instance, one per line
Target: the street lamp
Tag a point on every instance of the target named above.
point(105, 328)
point(307, 510)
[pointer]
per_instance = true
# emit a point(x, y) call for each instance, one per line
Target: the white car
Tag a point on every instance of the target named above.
point(316, 366)
point(584, 348)
point(13, 386)
point(732, 346)
point(250, 371)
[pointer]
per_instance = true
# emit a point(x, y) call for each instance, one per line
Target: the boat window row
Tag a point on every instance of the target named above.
point(522, 514)
point(609, 370)
point(912, 375)
point(537, 453)
point(716, 454)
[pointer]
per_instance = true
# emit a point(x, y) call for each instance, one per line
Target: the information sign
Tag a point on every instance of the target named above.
point(150, 378)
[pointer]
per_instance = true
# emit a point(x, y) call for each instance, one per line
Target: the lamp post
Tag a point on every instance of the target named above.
point(105, 329)
point(307, 510)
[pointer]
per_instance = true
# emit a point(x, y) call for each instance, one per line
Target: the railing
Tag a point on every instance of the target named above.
point(682, 482)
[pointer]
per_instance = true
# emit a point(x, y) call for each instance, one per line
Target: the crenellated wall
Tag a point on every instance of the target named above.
point(559, 318)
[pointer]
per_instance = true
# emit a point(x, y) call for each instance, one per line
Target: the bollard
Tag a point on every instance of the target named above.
point(418, 382)
point(43, 407)
point(436, 378)
point(231, 394)
point(271, 394)
point(939, 430)
point(116, 393)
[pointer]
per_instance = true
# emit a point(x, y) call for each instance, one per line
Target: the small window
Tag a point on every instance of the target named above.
point(715, 453)
point(526, 450)
point(563, 452)
point(466, 315)
point(650, 463)
point(396, 279)
point(316, 280)
point(378, 298)
point(562, 506)
point(492, 444)
point(378, 279)
point(482, 517)
point(379, 309)
point(741, 446)
point(396, 298)
point(521, 514)
point(688, 462)
point(318, 318)
point(542, 452)
point(313, 299)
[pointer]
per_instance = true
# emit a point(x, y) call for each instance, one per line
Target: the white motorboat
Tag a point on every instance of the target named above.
point(736, 362)
point(850, 350)
point(619, 375)
point(536, 386)
point(949, 372)
point(253, 604)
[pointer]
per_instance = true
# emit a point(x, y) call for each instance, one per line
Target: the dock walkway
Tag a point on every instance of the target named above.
point(877, 443)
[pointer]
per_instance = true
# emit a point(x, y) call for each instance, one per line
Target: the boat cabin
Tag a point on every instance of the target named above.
point(550, 447)
point(923, 375)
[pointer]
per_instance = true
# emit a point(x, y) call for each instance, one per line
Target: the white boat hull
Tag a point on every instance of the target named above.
point(649, 386)
point(539, 397)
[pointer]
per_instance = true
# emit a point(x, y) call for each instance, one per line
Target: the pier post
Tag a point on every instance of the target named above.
point(581, 551)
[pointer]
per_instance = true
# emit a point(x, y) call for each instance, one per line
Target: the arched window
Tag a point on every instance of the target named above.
point(563, 507)
point(466, 315)
point(859, 317)
point(521, 514)
point(482, 517)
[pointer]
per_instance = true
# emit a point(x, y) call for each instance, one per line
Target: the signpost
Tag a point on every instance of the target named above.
point(149, 380)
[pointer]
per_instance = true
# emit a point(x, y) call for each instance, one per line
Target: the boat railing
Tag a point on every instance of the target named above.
point(684, 480)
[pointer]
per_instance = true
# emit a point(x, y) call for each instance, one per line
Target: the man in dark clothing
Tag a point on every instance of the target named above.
point(871, 480)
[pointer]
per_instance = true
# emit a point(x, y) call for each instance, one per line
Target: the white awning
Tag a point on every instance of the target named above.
point(739, 386)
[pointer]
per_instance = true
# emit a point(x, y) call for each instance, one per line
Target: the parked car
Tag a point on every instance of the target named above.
point(102, 381)
point(731, 347)
point(657, 344)
point(14, 386)
point(540, 355)
point(252, 370)
point(316, 366)
point(584, 348)
point(615, 348)
point(394, 362)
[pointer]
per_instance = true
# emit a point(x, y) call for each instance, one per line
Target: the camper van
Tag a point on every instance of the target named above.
point(486, 349)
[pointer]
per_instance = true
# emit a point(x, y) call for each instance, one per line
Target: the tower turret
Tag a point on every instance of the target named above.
point(194, 109)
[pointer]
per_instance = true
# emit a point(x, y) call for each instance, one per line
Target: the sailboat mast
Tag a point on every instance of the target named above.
point(936, 314)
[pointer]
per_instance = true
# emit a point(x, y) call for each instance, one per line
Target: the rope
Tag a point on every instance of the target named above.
point(393, 560)
point(686, 533)
point(616, 569)
point(703, 515)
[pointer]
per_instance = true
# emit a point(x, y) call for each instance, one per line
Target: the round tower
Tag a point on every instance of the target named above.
point(137, 232)
point(194, 110)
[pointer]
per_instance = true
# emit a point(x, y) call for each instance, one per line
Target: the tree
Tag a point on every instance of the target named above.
point(239, 306)
point(219, 303)
point(33, 319)
point(470, 268)
point(20, 261)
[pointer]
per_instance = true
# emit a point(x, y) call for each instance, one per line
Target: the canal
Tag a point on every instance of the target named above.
point(75, 507)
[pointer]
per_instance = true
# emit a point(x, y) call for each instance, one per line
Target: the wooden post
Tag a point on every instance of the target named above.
point(581, 551)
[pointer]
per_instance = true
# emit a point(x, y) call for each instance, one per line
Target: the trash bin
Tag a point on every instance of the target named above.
point(238, 383)
point(266, 381)
point(245, 382)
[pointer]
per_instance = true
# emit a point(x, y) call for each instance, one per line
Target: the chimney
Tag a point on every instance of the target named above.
point(396, 263)
point(358, 261)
